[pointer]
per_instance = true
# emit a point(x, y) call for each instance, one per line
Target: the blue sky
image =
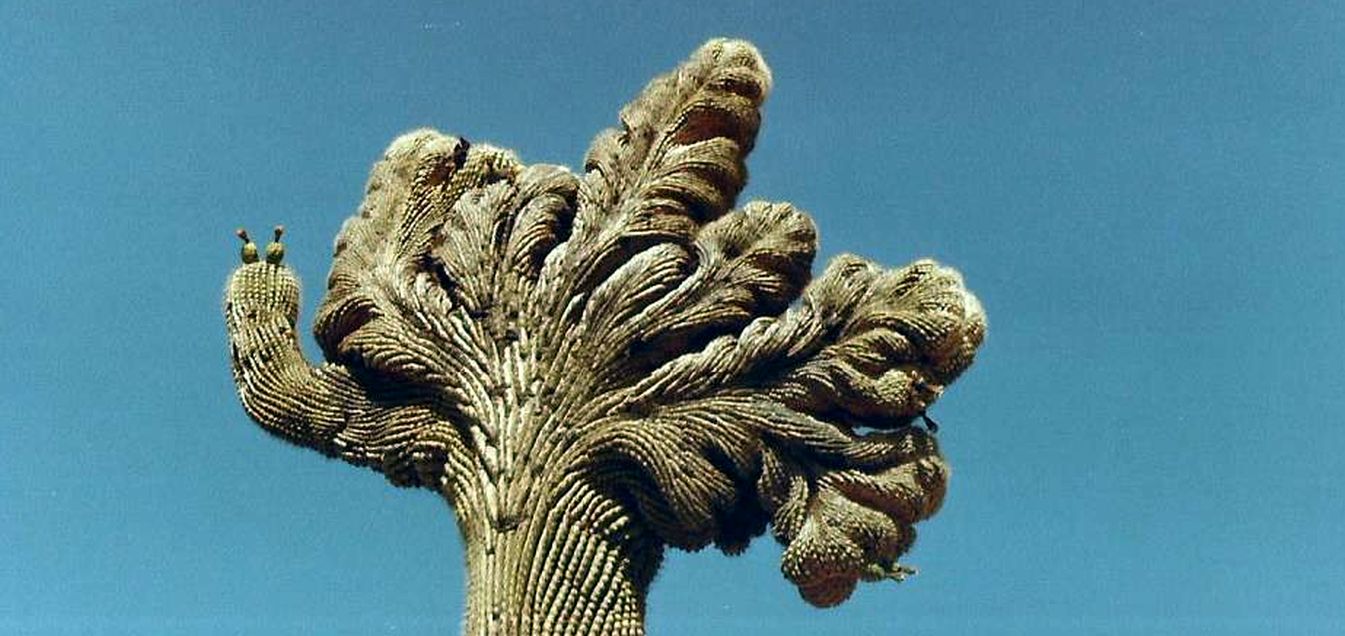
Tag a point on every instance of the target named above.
point(1149, 198)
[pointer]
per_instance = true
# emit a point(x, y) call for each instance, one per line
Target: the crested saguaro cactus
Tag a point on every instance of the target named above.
point(590, 368)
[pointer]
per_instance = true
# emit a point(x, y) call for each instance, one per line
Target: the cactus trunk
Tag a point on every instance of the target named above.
point(574, 563)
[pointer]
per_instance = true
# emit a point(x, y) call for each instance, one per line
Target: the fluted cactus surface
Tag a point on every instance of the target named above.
point(591, 367)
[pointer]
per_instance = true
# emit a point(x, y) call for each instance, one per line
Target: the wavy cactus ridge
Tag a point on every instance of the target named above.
point(592, 367)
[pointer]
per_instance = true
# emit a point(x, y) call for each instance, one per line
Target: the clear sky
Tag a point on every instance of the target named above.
point(1148, 197)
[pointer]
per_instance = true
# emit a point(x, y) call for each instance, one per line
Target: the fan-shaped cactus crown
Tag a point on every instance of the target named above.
point(623, 345)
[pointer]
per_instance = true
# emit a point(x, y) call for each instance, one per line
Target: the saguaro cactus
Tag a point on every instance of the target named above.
point(590, 368)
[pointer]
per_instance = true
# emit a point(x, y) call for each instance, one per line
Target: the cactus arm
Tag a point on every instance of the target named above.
point(326, 407)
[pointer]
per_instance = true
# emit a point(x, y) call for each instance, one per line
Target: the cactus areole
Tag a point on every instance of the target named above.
point(592, 367)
